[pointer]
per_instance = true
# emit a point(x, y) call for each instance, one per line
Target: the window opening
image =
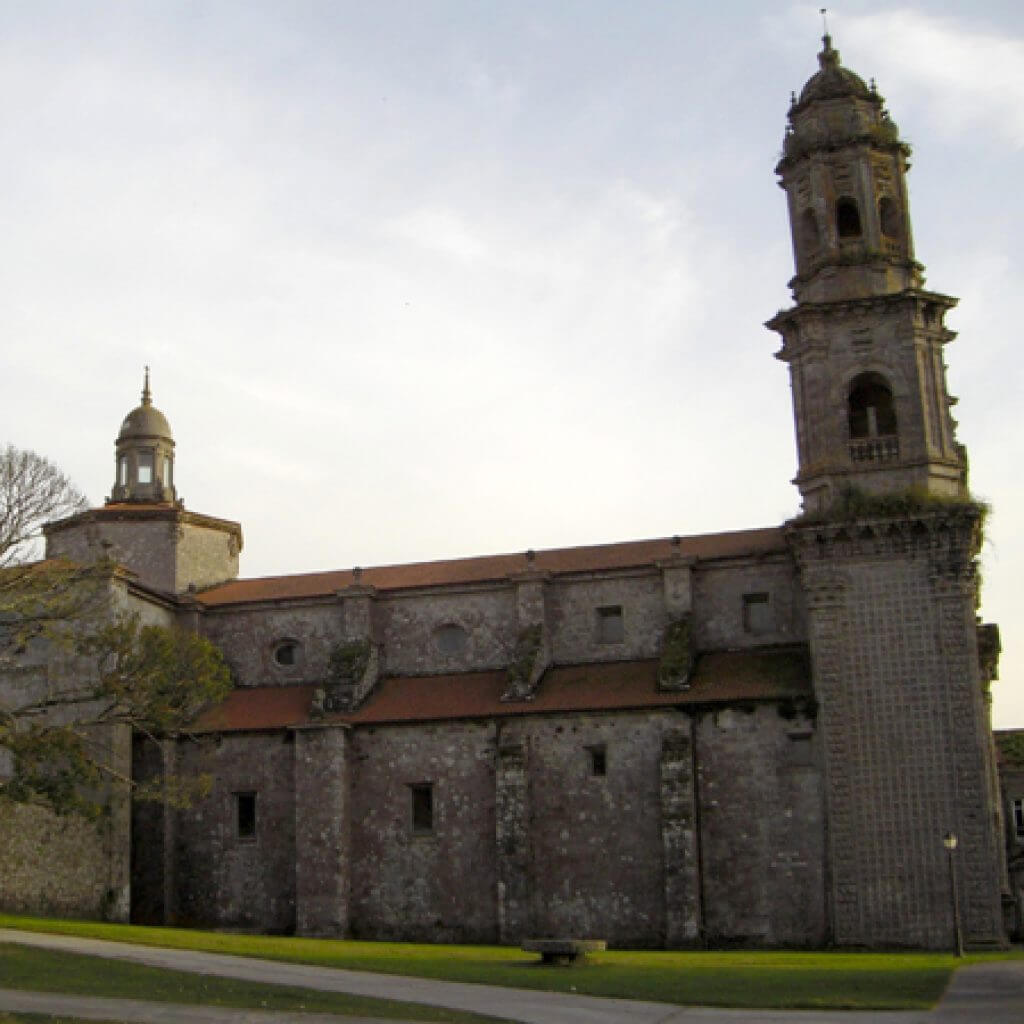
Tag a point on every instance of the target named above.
point(847, 218)
point(756, 613)
point(610, 629)
point(1018, 819)
point(145, 467)
point(286, 653)
point(598, 761)
point(422, 807)
point(871, 409)
point(245, 815)
point(450, 639)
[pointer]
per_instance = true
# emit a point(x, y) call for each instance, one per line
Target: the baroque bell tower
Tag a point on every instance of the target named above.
point(864, 340)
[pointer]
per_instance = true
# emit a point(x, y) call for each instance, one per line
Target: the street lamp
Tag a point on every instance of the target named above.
point(950, 841)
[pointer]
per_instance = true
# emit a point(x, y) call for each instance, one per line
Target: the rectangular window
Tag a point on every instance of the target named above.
point(145, 468)
point(598, 761)
point(245, 815)
point(610, 628)
point(757, 616)
point(1018, 820)
point(422, 808)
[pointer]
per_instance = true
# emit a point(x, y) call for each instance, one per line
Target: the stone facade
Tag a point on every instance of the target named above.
point(755, 738)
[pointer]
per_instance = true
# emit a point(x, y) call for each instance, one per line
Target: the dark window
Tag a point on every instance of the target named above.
point(871, 409)
point(422, 807)
point(598, 761)
point(889, 217)
point(245, 815)
point(286, 653)
point(1018, 819)
point(609, 624)
point(451, 639)
point(756, 613)
point(847, 218)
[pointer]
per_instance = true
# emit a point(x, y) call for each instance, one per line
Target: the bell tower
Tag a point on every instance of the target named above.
point(144, 455)
point(864, 340)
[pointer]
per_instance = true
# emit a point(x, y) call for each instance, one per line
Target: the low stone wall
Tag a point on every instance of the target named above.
point(58, 866)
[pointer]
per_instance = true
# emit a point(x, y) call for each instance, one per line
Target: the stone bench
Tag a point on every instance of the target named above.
point(563, 951)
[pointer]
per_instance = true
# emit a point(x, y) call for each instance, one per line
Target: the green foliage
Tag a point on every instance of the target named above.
point(153, 679)
point(1011, 747)
point(852, 503)
point(528, 645)
point(348, 660)
point(676, 653)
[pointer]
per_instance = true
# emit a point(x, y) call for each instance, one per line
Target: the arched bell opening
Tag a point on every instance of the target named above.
point(871, 417)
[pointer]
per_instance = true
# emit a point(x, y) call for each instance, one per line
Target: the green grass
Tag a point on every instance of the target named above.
point(44, 970)
point(781, 980)
point(44, 1018)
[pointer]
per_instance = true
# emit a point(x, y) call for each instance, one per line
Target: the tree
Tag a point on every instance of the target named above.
point(33, 491)
point(71, 666)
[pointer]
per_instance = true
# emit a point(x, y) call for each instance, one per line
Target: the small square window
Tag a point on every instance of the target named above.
point(610, 628)
point(1018, 820)
point(598, 761)
point(422, 808)
point(245, 815)
point(757, 616)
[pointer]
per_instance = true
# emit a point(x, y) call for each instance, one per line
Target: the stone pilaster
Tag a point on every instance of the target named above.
point(532, 655)
point(322, 853)
point(355, 663)
point(679, 840)
point(512, 840)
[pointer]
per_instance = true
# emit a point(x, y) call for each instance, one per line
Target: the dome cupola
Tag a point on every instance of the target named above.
point(144, 455)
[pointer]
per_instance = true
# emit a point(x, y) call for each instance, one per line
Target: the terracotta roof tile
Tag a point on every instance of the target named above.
point(724, 677)
point(496, 567)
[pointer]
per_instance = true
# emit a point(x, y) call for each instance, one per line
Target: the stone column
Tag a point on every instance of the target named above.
point(679, 839)
point(322, 832)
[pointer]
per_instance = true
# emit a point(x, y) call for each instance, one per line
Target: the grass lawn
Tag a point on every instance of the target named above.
point(741, 979)
point(44, 970)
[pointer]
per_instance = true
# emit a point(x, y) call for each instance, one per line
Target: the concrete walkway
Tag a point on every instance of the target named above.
point(983, 994)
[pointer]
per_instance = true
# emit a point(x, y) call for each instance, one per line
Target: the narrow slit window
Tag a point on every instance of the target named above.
point(598, 761)
point(422, 808)
point(610, 627)
point(756, 613)
point(245, 815)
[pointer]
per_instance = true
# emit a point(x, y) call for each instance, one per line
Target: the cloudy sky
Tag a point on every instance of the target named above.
point(431, 278)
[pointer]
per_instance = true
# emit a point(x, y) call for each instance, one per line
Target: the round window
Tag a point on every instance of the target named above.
point(286, 653)
point(451, 639)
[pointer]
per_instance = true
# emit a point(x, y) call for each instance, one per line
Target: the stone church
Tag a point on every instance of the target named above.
point(757, 738)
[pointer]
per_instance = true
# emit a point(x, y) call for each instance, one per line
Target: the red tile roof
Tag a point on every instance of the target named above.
point(724, 677)
point(497, 567)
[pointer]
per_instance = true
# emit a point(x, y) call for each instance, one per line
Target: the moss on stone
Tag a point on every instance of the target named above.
point(348, 661)
point(676, 654)
point(528, 645)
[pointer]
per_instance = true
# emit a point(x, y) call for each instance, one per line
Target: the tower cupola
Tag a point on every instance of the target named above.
point(864, 339)
point(144, 455)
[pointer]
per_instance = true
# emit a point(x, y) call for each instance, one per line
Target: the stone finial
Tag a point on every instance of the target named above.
point(147, 397)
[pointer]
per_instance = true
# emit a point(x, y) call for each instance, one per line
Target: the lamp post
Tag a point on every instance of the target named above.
point(950, 841)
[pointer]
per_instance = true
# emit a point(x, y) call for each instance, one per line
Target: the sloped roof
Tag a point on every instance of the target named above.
point(719, 678)
point(594, 558)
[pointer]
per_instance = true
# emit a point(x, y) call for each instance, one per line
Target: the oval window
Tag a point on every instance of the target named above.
point(451, 639)
point(286, 653)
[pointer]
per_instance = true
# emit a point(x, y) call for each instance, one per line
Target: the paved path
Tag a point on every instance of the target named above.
point(983, 994)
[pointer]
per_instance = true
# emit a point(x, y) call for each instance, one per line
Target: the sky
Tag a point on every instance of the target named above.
point(422, 279)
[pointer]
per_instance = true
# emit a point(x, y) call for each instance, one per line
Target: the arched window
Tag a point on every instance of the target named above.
point(847, 218)
point(809, 235)
point(871, 409)
point(889, 217)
